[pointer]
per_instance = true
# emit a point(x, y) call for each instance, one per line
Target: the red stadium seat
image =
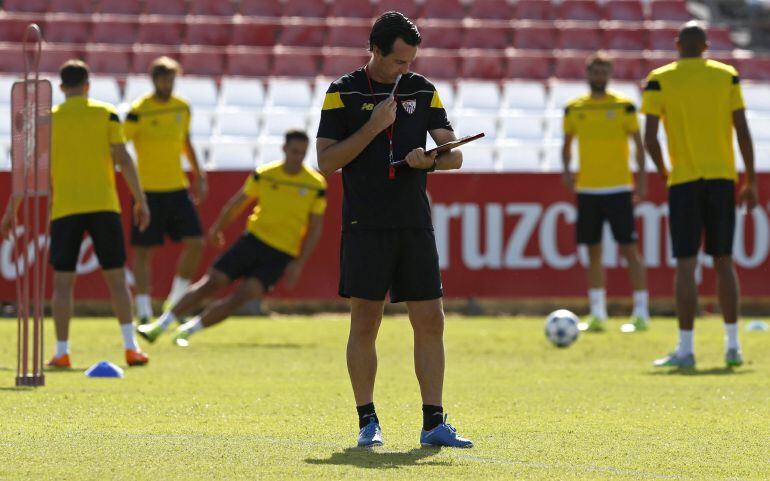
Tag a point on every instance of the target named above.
point(488, 37)
point(52, 58)
point(440, 34)
point(336, 63)
point(295, 63)
point(256, 33)
point(658, 59)
point(579, 10)
point(165, 7)
point(570, 65)
point(203, 61)
point(145, 54)
point(663, 38)
point(213, 33)
point(491, 10)
point(305, 8)
point(303, 34)
point(447, 9)
point(483, 65)
point(535, 37)
point(260, 8)
point(221, 8)
point(437, 65)
point(533, 65)
point(411, 8)
point(103, 59)
point(719, 39)
point(66, 30)
point(160, 32)
point(36, 6)
point(352, 9)
point(12, 28)
point(625, 38)
point(72, 6)
point(756, 68)
point(580, 38)
point(11, 59)
point(533, 10)
point(249, 62)
point(120, 7)
point(628, 67)
point(347, 34)
point(671, 10)
point(121, 32)
point(625, 10)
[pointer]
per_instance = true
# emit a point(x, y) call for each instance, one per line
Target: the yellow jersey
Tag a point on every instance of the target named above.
point(159, 132)
point(280, 218)
point(696, 98)
point(82, 169)
point(602, 126)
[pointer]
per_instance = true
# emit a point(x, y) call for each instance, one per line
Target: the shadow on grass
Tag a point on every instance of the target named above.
point(374, 459)
point(714, 371)
point(19, 389)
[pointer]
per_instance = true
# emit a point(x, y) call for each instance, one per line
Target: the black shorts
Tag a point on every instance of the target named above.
point(702, 207)
point(171, 213)
point(594, 209)
point(404, 261)
point(106, 232)
point(250, 257)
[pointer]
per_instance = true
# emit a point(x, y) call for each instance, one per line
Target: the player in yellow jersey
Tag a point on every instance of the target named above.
point(87, 142)
point(281, 233)
point(158, 125)
point(602, 121)
point(700, 102)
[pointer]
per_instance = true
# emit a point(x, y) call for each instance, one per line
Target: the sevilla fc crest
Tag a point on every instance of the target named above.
point(409, 106)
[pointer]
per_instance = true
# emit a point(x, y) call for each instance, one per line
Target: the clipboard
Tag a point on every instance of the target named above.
point(445, 147)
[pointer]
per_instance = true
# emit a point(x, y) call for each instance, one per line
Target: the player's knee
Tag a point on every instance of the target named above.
point(142, 255)
point(194, 244)
point(430, 324)
point(365, 329)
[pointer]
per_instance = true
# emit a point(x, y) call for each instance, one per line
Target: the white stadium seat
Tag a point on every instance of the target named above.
point(473, 123)
point(527, 96)
point(563, 92)
point(522, 127)
point(5, 122)
point(479, 158)
point(6, 82)
point(269, 150)
point(760, 128)
point(518, 157)
point(628, 89)
point(242, 93)
point(478, 95)
point(275, 124)
point(320, 86)
point(201, 123)
point(136, 86)
point(238, 124)
point(105, 89)
point(757, 96)
point(199, 91)
point(232, 156)
point(288, 93)
point(446, 93)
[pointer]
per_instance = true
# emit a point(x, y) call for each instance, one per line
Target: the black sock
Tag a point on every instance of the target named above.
point(365, 413)
point(432, 416)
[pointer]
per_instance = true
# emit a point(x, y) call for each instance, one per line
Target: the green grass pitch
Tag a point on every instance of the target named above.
point(270, 399)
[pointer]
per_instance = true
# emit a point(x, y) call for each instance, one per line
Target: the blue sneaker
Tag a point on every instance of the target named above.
point(444, 435)
point(370, 435)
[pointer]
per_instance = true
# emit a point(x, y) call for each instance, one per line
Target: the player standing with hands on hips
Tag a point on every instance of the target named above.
point(370, 118)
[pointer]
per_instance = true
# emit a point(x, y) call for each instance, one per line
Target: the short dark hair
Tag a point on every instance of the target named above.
point(390, 26)
point(599, 58)
point(163, 66)
point(74, 73)
point(296, 134)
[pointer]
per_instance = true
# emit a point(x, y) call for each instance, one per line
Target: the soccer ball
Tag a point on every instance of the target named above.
point(561, 328)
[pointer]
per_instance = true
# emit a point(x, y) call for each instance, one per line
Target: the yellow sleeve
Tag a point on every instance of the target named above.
point(630, 120)
point(652, 97)
point(319, 204)
point(115, 129)
point(132, 124)
point(187, 120)
point(251, 186)
point(568, 123)
point(736, 94)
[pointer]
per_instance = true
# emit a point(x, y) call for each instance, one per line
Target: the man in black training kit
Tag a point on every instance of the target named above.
point(372, 117)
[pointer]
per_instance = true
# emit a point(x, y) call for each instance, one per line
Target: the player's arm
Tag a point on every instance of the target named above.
point(641, 173)
point(122, 159)
point(451, 160)
point(651, 143)
point(229, 212)
point(336, 154)
point(748, 193)
point(314, 230)
point(201, 182)
point(566, 161)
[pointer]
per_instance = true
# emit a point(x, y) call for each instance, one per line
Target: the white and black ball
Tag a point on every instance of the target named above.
point(561, 328)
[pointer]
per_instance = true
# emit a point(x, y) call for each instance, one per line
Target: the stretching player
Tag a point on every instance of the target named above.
point(291, 202)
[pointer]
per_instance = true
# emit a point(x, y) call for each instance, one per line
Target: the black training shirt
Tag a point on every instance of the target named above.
point(371, 200)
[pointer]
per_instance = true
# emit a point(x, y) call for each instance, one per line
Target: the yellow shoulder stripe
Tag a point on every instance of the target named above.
point(333, 101)
point(435, 102)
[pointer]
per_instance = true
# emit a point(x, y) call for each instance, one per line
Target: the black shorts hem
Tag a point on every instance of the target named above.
point(428, 297)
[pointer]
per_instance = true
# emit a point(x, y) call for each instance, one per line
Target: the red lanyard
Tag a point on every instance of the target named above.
point(388, 130)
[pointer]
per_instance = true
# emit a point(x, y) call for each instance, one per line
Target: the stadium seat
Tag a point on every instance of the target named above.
point(288, 93)
point(249, 62)
point(255, 33)
point(305, 34)
point(108, 59)
point(528, 65)
point(72, 6)
point(478, 95)
point(628, 67)
point(663, 38)
point(260, 8)
point(490, 37)
point(524, 96)
point(305, 8)
point(449, 9)
point(755, 68)
point(66, 30)
point(540, 37)
point(522, 127)
point(490, 10)
point(242, 93)
point(295, 63)
point(320, 86)
point(160, 32)
point(227, 155)
point(519, 157)
point(52, 58)
point(437, 64)
point(10, 59)
point(12, 28)
point(563, 92)
point(144, 55)
point(533, 10)
point(719, 39)
point(479, 158)
point(348, 34)
point(203, 61)
point(446, 93)
point(579, 10)
point(222, 8)
point(114, 31)
point(136, 86)
point(270, 149)
point(629, 89)
point(760, 128)
point(165, 7)
point(208, 33)
point(119, 7)
point(276, 123)
point(657, 59)
point(482, 64)
point(105, 89)
point(757, 97)
point(625, 38)
point(670, 10)
point(336, 63)
point(5, 122)
point(624, 10)
point(411, 8)
point(31, 6)
point(352, 9)
point(440, 34)
point(199, 91)
point(6, 83)
point(238, 124)
point(579, 38)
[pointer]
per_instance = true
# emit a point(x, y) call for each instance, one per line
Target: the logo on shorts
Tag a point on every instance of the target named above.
point(409, 106)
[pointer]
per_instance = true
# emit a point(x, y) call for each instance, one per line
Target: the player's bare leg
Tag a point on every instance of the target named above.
point(596, 294)
point(121, 306)
point(728, 293)
point(640, 316)
point(686, 294)
point(427, 318)
point(142, 260)
point(61, 305)
point(186, 266)
point(365, 320)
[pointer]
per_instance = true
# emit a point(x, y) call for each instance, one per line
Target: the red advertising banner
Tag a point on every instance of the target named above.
point(498, 235)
